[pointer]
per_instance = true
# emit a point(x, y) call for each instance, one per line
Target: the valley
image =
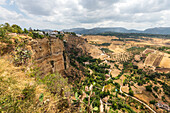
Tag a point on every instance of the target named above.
point(63, 72)
point(145, 56)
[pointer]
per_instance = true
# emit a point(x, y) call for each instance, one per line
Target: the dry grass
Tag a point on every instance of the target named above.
point(145, 96)
point(115, 72)
point(165, 62)
point(13, 81)
point(150, 59)
point(99, 39)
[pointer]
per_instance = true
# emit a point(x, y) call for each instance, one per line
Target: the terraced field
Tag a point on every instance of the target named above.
point(121, 57)
point(158, 60)
point(150, 59)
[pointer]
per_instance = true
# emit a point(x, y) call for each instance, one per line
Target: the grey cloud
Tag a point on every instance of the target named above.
point(145, 6)
point(96, 4)
point(36, 7)
point(92, 12)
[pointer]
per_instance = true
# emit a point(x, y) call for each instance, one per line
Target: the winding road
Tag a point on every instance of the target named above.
point(132, 96)
point(138, 100)
point(101, 103)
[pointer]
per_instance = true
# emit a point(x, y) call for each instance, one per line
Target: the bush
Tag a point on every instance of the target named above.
point(21, 54)
point(156, 88)
point(163, 99)
point(152, 102)
point(155, 95)
point(56, 83)
point(131, 92)
point(28, 93)
point(149, 88)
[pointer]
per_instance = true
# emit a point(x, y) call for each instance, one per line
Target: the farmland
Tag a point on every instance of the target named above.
point(137, 64)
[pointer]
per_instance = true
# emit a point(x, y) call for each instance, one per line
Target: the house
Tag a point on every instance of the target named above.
point(107, 76)
point(102, 54)
point(163, 106)
point(52, 32)
point(12, 34)
point(52, 36)
point(86, 63)
point(61, 32)
point(40, 33)
point(78, 35)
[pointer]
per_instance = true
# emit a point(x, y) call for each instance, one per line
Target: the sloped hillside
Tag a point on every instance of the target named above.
point(18, 91)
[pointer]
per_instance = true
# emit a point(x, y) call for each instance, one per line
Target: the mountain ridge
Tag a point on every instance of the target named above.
point(155, 30)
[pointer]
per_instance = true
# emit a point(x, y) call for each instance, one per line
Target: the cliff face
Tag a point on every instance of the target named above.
point(53, 54)
point(48, 55)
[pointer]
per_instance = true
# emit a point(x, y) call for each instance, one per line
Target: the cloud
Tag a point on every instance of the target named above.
point(96, 4)
point(36, 7)
point(143, 6)
point(59, 14)
point(3, 2)
point(8, 15)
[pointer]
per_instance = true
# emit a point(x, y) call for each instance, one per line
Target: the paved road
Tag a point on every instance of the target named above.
point(138, 100)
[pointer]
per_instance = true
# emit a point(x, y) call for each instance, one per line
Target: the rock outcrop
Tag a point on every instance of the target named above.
point(48, 55)
point(56, 55)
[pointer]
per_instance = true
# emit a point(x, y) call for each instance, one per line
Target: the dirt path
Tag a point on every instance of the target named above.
point(138, 100)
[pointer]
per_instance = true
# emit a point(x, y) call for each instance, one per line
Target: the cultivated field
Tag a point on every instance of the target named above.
point(165, 62)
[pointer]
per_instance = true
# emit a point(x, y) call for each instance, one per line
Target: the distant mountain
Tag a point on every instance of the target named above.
point(47, 30)
point(95, 30)
point(158, 30)
point(74, 30)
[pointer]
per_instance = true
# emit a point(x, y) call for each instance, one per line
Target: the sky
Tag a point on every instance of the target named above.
point(65, 14)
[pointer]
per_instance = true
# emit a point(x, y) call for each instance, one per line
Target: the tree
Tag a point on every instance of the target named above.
point(17, 28)
point(152, 102)
point(156, 88)
point(2, 32)
point(114, 106)
point(30, 34)
point(25, 31)
point(131, 92)
point(149, 88)
point(6, 26)
point(30, 29)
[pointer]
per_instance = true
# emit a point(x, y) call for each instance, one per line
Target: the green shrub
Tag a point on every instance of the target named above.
point(28, 92)
point(155, 95)
point(131, 92)
point(55, 83)
point(156, 88)
point(21, 56)
point(149, 88)
point(152, 102)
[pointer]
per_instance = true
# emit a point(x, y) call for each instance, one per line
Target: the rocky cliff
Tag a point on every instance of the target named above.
point(51, 54)
point(48, 55)
point(54, 54)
